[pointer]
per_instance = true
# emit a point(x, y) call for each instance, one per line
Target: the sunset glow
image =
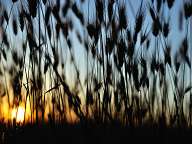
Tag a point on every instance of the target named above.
point(18, 114)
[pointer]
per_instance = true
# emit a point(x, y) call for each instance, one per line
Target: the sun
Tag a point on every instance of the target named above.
point(18, 114)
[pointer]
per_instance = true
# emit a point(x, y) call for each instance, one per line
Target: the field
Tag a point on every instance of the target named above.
point(86, 71)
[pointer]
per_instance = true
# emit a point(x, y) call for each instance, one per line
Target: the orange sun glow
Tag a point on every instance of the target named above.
point(18, 114)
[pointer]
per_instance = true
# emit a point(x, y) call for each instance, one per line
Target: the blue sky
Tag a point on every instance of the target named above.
point(175, 36)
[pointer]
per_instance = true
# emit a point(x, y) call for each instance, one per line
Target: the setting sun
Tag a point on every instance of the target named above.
point(18, 114)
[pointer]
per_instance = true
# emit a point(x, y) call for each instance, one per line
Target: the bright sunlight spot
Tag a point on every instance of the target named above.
point(18, 114)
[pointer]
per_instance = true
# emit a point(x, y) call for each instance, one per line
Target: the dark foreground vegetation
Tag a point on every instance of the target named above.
point(95, 134)
point(132, 80)
point(105, 133)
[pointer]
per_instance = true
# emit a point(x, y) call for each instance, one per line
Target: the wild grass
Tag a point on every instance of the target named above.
point(131, 76)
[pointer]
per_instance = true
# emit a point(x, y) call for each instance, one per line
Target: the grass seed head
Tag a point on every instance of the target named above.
point(188, 9)
point(5, 15)
point(47, 14)
point(32, 5)
point(14, 24)
point(122, 17)
point(170, 3)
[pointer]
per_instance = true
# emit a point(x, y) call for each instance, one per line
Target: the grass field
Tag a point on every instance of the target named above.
point(99, 71)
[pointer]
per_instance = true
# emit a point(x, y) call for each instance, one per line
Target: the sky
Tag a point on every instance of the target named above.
point(175, 36)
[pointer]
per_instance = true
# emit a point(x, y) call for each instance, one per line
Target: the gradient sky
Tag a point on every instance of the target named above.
point(175, 36)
